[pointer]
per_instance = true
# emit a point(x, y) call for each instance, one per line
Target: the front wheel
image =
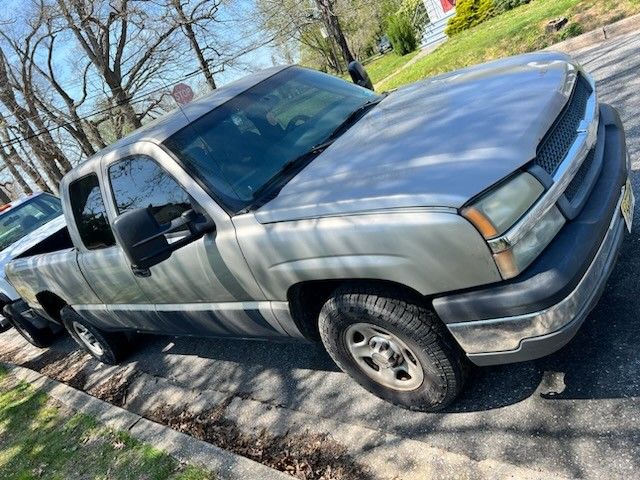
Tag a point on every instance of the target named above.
point(107, 347)
point(392, 346)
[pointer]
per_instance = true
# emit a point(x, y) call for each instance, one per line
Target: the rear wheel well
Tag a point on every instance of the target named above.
point(51, 304)
point(307, 298)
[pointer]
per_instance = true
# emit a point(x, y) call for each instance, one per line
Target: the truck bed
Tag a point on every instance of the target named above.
point(54, 272)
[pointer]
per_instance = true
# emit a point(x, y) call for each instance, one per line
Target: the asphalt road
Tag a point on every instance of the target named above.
point(576, 412)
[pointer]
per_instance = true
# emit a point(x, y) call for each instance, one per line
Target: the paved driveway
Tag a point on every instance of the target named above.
point(576, 412)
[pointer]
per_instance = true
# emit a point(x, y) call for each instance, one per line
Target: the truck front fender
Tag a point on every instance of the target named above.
point(429, 251)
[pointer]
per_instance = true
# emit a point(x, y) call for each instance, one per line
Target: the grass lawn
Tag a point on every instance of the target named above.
point(383, 66)
point(517, 31)
point(38, 439)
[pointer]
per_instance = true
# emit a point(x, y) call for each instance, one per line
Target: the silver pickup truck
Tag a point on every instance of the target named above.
point(473, 217)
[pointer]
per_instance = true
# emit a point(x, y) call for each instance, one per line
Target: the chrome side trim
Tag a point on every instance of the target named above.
point(187, 307)
point(506, 333)
point(586, 138)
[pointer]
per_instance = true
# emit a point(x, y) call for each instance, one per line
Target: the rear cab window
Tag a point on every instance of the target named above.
point(89, 213)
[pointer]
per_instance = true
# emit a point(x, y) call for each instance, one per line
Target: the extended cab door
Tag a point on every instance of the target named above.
point(204, 287)
point(103, 263)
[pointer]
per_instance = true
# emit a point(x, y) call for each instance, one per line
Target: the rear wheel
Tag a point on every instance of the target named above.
point(109, 348)
point(5, 324)
point(40, 336)
point(393, 346)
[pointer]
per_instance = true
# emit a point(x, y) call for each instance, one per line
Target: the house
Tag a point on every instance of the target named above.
point(437, 9)
point(439, 12)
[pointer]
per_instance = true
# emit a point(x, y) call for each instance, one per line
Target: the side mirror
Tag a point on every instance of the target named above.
point(144, 240)
point(359, 75)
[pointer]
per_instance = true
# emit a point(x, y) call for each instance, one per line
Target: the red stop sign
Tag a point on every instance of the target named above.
point(182, 93)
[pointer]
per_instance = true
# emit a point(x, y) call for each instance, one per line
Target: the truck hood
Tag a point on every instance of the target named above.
point(436, 143)
point(25, 243)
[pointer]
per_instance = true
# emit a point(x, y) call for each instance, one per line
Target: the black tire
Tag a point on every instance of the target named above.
point(4, 326)
point(405, 318)
point(112, 346)
point(41, 337)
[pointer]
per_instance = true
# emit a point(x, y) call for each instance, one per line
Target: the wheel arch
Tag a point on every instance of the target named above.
point(52, 304)
point(306, 299)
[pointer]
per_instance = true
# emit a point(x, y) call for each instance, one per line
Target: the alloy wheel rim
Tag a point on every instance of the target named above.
point(384, 357)
point(88, 339)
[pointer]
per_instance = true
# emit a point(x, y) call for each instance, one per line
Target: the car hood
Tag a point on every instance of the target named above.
point(436, 143)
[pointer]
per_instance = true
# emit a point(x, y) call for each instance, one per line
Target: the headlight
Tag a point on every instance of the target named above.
point(514, 260)
point(495, 212)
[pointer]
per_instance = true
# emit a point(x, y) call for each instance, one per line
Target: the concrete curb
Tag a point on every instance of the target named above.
point(599, 35)
point(388, 455)
point(224, 464)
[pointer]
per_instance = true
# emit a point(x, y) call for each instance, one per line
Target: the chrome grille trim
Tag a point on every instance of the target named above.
point(584, 141)
point(555, 145)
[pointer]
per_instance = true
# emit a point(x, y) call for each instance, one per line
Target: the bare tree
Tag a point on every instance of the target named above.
point(132, 50)
point(15, 161)
point(4, 197)
point(124, 43)
point(203, 11)
point(29, 122)
point(37, 42)
point(332, 24)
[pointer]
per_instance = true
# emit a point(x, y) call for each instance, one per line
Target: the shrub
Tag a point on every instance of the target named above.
point(470, 13)
point(504, 5)
point(416, 12)
point(402, 33)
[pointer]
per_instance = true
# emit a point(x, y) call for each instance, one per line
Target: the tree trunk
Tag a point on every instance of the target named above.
point(45, 150)
point(16, 174)
point(332, 24)
point(191, 35)
point(4, 198)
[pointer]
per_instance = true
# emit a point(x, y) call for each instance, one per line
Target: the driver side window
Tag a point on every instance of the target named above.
point(139, 182)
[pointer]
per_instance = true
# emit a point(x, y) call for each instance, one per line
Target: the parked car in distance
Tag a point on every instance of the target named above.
point(384, 45)
point(472, 217)
point(28, 226)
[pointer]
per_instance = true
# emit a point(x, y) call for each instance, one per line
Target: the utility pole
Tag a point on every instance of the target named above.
point(332, 24)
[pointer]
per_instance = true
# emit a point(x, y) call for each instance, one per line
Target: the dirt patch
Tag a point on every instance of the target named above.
point(65, 367)
point(116, 388)
point(11, 354)
point(596, 13)
point(307, 457)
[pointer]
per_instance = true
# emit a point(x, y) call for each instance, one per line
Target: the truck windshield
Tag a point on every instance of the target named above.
point(18, 222)
point(243, 145)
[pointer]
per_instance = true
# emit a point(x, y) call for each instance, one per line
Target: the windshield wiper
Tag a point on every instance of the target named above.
point(301, 160)
point(354, 116)
point(289, 167)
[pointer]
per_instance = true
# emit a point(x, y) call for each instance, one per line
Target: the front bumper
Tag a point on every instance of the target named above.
point(539, 312)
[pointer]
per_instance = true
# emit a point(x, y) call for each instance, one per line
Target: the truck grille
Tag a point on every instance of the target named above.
point(557, 142)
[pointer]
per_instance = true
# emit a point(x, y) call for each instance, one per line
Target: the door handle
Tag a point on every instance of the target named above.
point(141, 272)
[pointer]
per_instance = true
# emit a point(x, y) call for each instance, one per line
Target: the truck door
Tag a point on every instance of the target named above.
point(195, 291)
point(104, 265)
